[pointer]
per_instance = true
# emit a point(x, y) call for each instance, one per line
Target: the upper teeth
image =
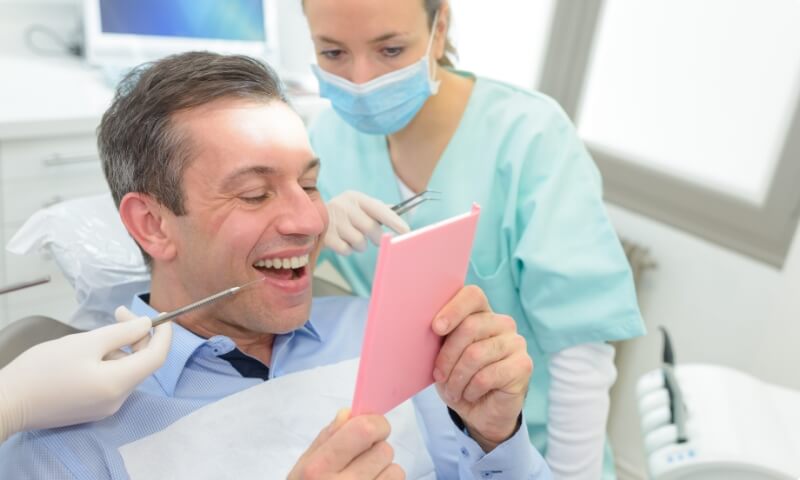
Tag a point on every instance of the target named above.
point(291, 262)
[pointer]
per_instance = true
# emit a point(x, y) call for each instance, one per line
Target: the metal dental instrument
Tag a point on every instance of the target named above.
point(415, 201)
point(19, 286)
point(677, 407)
point(167, 316)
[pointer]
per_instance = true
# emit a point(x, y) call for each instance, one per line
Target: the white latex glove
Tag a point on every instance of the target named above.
point(354, 217)
point(81, 377)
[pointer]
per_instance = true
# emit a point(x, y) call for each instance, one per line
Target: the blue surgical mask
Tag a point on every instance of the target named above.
point(385, 104)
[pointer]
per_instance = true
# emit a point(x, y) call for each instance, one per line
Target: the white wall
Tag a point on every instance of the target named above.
point(504, 40)
point(719, 306)
point(15, 17)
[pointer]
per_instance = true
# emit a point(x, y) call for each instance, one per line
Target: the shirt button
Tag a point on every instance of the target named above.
point(464, 452)
point(487, 474)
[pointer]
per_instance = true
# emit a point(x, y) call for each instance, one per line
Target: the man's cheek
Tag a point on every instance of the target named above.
point(323, 215)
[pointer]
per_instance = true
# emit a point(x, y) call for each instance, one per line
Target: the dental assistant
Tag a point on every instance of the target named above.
point(403, 121)
point(82, 377)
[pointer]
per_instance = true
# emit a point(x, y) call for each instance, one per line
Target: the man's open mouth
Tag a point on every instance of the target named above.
point(289, 268)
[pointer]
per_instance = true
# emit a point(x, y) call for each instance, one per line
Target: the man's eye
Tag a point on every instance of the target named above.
point(310, 189)
point(392, 51)
point(331, 54)
point(253, 198)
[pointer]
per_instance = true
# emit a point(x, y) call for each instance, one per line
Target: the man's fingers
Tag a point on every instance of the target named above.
point(468, 300)
point(392, 472)
point(475, 328)
point(474, 359)
point(353, 438)
point(341, 417)
point(371, 463)
point(510, 375)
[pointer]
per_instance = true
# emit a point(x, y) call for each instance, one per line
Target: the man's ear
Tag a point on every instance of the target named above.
point(146, 220)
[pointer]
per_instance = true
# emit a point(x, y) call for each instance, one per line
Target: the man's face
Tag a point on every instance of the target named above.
point(253, 211)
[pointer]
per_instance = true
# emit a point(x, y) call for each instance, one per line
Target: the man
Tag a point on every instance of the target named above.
point(215, 179)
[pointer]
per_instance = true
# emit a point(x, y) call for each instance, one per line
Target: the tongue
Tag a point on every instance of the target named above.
point(280, 273)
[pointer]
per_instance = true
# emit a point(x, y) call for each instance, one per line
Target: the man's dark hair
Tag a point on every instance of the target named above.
point(140, 148)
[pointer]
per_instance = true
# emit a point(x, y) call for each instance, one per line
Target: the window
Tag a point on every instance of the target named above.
point(691, 110)
point(502, 39)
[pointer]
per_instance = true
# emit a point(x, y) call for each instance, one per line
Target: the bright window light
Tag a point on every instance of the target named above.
point(502, 39)
point(703, 90)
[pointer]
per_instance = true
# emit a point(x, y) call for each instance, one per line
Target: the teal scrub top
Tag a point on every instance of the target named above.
point(544, 253)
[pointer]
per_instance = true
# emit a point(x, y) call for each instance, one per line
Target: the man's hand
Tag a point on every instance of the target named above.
point(483, 369)
point(350, 448)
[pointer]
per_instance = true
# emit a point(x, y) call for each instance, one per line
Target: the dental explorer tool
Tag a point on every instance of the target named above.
point(19, 286)
point(167, 316)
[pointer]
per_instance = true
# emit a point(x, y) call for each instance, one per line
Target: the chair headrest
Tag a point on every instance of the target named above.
point(88, 241)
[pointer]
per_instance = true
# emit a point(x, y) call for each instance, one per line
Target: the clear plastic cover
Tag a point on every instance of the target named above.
point(91, 246)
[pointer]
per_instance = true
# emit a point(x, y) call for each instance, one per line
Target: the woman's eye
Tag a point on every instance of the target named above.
point(392, 51)
point(331, 54)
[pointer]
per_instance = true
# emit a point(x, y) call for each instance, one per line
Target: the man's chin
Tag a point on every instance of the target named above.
point(287, 319)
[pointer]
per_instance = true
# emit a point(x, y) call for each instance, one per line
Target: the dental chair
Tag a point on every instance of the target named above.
point(27, 332)
point(711, 422)
point(87, 240)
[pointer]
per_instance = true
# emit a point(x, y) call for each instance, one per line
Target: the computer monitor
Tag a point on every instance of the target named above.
point(124, 33)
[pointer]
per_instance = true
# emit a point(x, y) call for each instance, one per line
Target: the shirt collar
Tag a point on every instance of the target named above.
point(185, 343)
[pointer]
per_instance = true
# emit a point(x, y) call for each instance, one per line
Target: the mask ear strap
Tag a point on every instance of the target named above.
point(434, 26)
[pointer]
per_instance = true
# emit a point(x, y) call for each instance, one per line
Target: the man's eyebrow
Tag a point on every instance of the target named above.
point(261, 171)
point(311, 165)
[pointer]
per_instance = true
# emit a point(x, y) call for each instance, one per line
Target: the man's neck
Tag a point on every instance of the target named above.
point(257, 345)
point(164, 299)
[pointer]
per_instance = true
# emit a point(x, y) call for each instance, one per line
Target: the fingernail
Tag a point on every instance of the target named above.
point(438, 375)
point(440, 324)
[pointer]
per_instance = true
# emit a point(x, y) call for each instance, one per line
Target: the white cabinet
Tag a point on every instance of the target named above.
point(49, 110)
point(36, 172)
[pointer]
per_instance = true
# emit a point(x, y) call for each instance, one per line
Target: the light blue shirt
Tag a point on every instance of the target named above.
point(194, 376)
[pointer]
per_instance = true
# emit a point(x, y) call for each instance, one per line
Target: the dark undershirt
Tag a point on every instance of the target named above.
point(247, 366)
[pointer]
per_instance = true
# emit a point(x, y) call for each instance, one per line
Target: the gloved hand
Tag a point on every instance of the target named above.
point(81, 377)
point(354, 217)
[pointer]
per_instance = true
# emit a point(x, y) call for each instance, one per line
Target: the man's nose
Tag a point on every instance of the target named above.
point(301, 215)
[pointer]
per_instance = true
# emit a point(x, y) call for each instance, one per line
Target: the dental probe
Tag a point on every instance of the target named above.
point(167, 316)
point(19, 286)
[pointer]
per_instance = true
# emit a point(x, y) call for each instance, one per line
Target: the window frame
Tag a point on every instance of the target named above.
point(764, 232)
